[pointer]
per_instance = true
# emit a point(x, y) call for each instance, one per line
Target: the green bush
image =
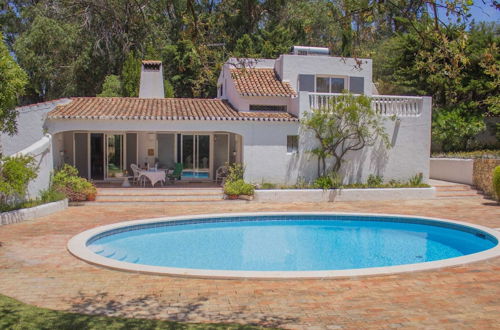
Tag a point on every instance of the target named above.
point(374, 180)
point(238, 187)
point(455, 129)
point(51, 195)
point(496, 181)
point(416, 180)
point(330, 181)
point(235, 172)
point(267, 185)
point(15, 174)
point(74, 187)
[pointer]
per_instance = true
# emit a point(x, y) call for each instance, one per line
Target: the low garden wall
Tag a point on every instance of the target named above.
point(32, 212)
point(475, 172)
point(342, 195)
point(452, 169)
point(483, 174)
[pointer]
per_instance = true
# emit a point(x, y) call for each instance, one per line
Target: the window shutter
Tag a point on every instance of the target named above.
point(306, 83)
point(357, 85)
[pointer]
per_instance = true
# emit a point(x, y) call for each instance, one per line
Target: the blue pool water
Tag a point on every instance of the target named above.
point(290, 243)
point(194, 175)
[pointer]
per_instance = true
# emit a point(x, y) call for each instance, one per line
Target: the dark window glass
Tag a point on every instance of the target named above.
point(322, 85)
point(336, 85)
point(292, 143)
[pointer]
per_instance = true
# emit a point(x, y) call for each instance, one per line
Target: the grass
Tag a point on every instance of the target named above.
point(16, 315)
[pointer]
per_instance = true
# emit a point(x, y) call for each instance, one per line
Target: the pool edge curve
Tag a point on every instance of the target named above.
point(77, 246)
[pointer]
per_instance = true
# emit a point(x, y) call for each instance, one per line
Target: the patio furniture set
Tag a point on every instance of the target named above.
point(164, 176)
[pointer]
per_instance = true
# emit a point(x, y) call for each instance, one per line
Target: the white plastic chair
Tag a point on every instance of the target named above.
point(137, 172)
point(221, 174)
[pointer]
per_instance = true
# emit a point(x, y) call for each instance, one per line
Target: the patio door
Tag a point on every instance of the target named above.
point(195, 154)
point(115, 160)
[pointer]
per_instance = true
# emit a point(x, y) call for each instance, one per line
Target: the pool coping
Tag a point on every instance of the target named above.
point(77, 246)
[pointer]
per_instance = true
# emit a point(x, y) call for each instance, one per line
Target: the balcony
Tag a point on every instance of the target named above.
point(386, 105)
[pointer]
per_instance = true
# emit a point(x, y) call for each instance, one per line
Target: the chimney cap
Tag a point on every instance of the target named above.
point(151, 62)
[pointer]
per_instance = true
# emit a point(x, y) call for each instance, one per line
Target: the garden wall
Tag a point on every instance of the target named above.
point(32, 213)
point(452, 170)
point(341, 195)
point(483, 174)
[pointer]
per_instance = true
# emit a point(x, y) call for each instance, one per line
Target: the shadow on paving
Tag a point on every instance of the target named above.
point(17, 315)
point(152, 307)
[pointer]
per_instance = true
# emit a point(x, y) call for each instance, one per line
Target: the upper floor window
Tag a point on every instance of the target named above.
point(330, 84)
point(257, 107)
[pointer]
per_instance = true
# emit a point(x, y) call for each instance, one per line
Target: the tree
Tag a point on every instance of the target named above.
point(13, 79)
point(112, 86)
point(348, 123)
point(130, 77)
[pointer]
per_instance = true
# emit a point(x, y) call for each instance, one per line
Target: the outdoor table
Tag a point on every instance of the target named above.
point(154, 176)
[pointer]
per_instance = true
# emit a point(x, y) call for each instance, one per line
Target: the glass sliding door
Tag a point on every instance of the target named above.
point(114, 155)
point(195, 155)
point(203, 152)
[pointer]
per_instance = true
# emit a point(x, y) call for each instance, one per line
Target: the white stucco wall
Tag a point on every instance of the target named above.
point(30, 126)
point(41, 150)
point(453, 170)
point(409, 153)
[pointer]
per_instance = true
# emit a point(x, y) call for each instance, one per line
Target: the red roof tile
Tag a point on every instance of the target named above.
point(158, 109)
point(260, 82)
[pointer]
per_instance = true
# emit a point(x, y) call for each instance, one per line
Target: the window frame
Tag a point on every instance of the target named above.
point(345, 78)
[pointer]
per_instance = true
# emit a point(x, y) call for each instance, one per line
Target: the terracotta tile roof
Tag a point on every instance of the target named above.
point(158, 109)
point(260, 82)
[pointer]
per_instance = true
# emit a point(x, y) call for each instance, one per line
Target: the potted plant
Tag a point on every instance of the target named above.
point(232, 189)
point(237, 188)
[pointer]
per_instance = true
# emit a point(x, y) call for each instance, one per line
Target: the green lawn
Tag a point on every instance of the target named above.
point(16, 315)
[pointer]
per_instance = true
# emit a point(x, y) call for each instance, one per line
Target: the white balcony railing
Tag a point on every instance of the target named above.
point(386, 105)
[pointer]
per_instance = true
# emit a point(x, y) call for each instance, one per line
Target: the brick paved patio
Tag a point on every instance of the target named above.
point(36, 269)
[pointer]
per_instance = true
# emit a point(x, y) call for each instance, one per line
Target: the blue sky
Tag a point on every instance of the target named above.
point(484, 12)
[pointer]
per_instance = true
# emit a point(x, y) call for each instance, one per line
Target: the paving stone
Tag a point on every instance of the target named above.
point(36, 268)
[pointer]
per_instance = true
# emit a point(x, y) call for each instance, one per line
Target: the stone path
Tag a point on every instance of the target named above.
point(36, 269)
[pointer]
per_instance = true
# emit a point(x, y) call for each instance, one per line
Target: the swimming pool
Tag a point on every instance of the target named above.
point(194, 175)
point(284, 245)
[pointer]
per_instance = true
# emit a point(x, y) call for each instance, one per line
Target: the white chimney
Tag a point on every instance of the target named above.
point(151, 80)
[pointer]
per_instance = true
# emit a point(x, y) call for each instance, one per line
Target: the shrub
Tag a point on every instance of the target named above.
point(330, 181)
point(74, 187)
point(416, 180)
point(51, 195)
point(235, 172)
point(496, 181)
point(15, 174)
point(374, 180)
point(238, 187)
point(267, 185)
point(455, 129)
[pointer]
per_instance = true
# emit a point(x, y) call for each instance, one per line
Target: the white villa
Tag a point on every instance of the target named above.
point(255, 120)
